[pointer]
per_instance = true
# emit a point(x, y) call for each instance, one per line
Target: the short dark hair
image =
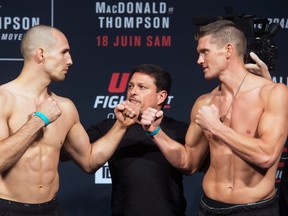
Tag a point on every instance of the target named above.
point(222, 32)
point(162, 78)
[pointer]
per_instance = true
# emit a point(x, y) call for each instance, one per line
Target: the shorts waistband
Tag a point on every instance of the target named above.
point(54, 200)
point(214, 204)
point(9, 204)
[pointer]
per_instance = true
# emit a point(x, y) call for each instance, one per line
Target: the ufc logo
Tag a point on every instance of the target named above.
point(118, 82)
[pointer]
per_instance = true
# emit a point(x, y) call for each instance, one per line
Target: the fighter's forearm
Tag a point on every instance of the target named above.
point(105, 147)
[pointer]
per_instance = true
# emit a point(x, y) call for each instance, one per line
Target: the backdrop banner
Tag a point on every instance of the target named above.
point(107, 39)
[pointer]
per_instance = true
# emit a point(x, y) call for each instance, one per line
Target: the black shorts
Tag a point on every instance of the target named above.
point(210, 207)
point(12, 208)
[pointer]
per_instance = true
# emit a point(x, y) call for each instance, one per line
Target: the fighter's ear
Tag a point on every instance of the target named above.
point(229, 49)
point(40, 57)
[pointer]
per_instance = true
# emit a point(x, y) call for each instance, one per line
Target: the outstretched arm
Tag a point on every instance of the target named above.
point(92, 157)
point(188, 157)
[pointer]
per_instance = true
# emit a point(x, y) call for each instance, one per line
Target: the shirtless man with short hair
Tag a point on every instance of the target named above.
point(31, 141)
point(242, 123)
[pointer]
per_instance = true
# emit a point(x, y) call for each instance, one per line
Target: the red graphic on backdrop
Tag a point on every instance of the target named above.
point(116, 85)
point(134, 41)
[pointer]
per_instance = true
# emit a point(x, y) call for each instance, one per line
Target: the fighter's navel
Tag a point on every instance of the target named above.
point(230, 188)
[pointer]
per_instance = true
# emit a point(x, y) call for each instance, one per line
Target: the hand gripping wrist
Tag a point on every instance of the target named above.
point(43, 117)
point(153, 133)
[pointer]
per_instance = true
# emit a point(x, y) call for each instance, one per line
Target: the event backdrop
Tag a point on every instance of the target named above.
point(107, 39)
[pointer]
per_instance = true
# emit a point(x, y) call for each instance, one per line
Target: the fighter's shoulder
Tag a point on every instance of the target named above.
point(272, 92)
point(207, 98)
point(64, 102)
point(270, 87)
point(6, 95)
